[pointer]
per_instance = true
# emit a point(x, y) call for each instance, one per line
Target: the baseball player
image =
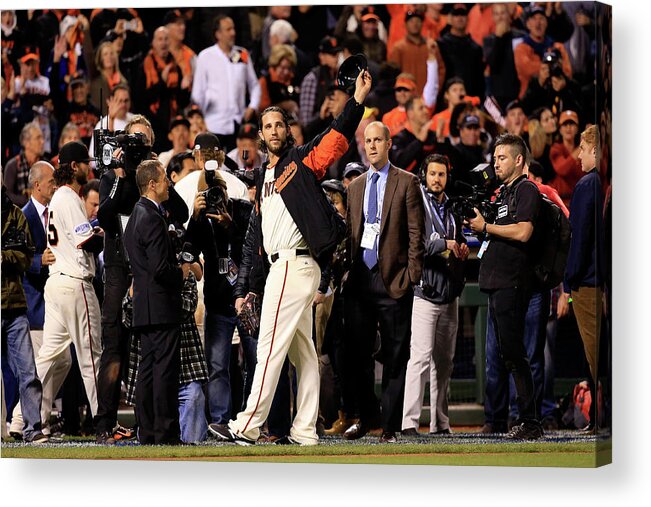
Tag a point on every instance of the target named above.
point(297, 232)
point(72, 313)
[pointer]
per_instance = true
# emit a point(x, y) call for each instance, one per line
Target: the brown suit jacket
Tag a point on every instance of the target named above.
point(401, 243)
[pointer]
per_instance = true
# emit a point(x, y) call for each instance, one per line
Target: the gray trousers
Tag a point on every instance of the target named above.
point(431, 354)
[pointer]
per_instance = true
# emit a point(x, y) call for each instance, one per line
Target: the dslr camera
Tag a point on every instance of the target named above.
point(135, 148)
point(216, 199)
point(552, 58)
point(476, 195)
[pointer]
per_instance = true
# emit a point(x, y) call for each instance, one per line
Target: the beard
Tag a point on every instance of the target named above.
point(81, 178)
point(279, 149)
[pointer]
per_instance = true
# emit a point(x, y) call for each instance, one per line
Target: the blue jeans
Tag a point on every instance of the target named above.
point(192, 413)
point(500, 387)
point(218, 340)
point(249, 349)
point(16, 339)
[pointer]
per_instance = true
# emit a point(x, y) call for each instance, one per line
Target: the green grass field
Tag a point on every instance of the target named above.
point(558, 452)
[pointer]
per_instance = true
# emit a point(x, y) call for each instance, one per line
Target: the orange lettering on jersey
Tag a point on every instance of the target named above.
point(286, 176)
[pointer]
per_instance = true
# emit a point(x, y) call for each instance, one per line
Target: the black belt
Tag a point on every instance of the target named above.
point(299, 252)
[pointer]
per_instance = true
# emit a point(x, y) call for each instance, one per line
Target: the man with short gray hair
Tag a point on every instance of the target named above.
point(16, 173)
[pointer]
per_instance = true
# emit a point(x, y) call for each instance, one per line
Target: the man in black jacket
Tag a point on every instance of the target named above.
point(157, 283)
point(462, 56)
point(118, 193)
point(504, 84)
point(416, 141)
point(298, 231)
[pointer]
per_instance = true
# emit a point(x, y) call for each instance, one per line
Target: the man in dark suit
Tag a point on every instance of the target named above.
point(157, 284)
point(385, 256)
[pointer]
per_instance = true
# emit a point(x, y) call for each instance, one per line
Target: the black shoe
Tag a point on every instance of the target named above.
point(388, 437)
point(286, 440)
point(223, 432)
point(525, 431)
point(357, 430)
point(39, 439)
point(105, 438)
point(17, 436)
point(446, 431)
point(410, 433)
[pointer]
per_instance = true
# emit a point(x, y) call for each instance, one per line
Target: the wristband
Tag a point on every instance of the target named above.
point(484, 229)
point(569, 300)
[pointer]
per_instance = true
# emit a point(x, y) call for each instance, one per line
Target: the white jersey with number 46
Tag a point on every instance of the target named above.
point(67, 229)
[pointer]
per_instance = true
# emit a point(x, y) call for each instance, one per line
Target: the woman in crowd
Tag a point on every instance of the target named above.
point(277, 84)
point(106, 62)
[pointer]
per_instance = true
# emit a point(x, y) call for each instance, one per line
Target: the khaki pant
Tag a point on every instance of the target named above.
point(587, 303)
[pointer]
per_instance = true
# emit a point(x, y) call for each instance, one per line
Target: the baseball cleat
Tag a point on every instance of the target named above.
point(223, 432)
point(122, 433)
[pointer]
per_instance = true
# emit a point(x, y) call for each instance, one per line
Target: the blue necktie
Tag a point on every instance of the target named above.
point(370, 254)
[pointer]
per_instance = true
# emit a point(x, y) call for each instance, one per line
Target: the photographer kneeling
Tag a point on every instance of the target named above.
point(506, 272)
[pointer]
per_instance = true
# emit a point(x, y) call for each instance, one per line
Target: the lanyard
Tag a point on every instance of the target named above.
point(434, 213)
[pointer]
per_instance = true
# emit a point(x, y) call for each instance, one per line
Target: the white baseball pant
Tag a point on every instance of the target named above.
point(285, 329)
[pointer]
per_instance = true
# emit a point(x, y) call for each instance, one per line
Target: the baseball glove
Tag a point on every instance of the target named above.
point(250, 314)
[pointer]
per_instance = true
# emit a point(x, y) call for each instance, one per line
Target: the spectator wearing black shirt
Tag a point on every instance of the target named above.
point(506, 273)
point(498, 53)
point(463, 57)
point(469, 152)
point(416, 141)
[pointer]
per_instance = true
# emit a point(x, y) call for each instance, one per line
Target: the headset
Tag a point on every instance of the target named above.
point(431, 159)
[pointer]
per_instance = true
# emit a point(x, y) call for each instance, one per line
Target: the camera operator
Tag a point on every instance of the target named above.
point(17, 254)
point(217, 229)
point(118, 195)
point(506, 272)
point(552, 88)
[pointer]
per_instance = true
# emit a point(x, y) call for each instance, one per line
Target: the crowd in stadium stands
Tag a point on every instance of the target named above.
point(447, 81)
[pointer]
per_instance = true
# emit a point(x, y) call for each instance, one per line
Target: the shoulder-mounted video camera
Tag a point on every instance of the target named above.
point(135, 148)
point(476, 195)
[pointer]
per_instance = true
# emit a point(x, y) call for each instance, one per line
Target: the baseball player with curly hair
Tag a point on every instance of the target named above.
point(297, 232)
point(72, 313)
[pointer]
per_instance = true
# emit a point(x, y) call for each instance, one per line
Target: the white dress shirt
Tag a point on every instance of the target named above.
point(220, 85)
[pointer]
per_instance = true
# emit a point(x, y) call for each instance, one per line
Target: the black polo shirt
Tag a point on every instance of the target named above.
point(507, 263)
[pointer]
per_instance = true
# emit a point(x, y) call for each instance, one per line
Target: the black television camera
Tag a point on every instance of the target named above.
point(476, 195)
point(552, 58)
point(216, 198)
point(135, 148)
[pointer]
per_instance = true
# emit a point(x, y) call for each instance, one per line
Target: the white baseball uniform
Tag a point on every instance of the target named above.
point(72, 313)
point(285, 324)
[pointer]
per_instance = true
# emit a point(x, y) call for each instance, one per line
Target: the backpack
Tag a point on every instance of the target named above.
point(550, 243)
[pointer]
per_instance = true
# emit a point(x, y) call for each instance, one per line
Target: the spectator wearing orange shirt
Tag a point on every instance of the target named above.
point(454, 93)
point(528, 54)
point(405, 90)
point(184, 56)
point(411, 52)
